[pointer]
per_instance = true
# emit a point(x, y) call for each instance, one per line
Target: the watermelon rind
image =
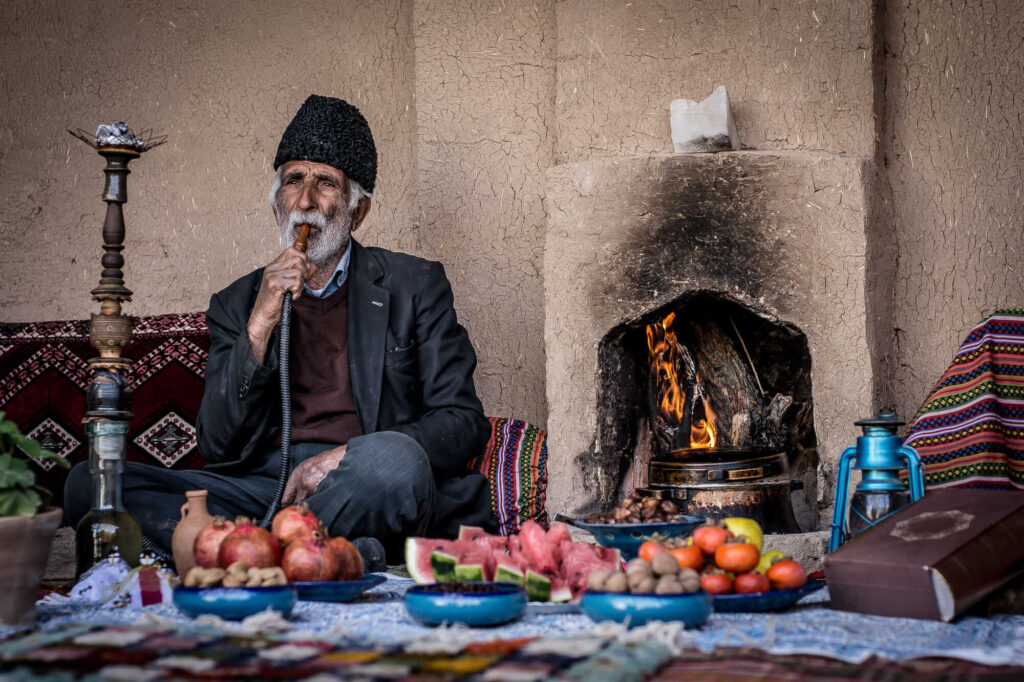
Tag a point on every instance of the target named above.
point(561, 594)
point(443, 565)
point(470, 532)
point(469, 572)
point(504, 574)
point(417, 561)
point(538, 588)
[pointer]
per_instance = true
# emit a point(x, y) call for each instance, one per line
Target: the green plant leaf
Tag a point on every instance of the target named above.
point(44, 496)
point(14, 473)
point(20, 502)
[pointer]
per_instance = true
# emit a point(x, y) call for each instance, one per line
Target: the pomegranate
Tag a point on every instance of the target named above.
point(310, 559)
point(294, 523)
point(249, 543)
point(350, 563)
point(207, 542)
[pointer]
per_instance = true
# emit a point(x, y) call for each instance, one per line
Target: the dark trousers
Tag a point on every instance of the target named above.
point(382, 488)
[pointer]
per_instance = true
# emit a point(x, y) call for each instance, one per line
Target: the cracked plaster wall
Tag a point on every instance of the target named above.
point(954, 148)
point(221, 79)
point(798, 73)
point(484, 84)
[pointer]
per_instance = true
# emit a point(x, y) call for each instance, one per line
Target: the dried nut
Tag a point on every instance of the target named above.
point(664, 564)
point(231, 581)
point(668, 585)
point(194, 576)
point(689, 574)
point(238, 567)
point(211, 577)
point(636, 578)
point(690, 583)
point(597, 578)
point(616, 582)
point(645, 586)
point(668, 507)
point(648, 513)
point(650, 502)
point(273, 576)
point(638, 565)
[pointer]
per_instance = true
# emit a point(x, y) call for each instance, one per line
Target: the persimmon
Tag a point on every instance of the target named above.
point(688, 557)
point(649, 548)
point(716, 583)
point(710, 538)
point(745, 583)
point(737, 557)
point(786, 575)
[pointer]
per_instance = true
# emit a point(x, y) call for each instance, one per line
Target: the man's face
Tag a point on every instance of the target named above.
point(317, 194)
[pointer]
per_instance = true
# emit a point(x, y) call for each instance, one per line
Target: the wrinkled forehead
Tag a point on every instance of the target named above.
point(303, 169)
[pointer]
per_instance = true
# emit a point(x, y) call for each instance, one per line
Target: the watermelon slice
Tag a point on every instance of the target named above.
point(469, 572)
point(417, 557)
point(538, 587)
point(470, 532)
point(443, 566)
point(508, 574)
point(536, 547)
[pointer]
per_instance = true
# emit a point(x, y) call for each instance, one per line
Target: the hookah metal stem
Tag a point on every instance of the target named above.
point(286, 390)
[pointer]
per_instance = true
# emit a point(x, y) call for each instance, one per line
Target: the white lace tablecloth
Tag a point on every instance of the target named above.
point(809, 628)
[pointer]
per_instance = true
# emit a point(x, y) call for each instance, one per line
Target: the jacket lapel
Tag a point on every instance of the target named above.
point(368, 310)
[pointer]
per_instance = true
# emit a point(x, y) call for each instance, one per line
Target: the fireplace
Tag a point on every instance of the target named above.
point(761, 260)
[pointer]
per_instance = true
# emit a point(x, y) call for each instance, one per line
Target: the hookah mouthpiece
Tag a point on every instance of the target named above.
point(302, 238)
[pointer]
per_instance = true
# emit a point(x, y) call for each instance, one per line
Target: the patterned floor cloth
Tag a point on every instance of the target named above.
point(374, 638)
point(970, 430)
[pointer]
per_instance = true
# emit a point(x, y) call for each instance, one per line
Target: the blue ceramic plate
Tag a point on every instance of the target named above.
point(627, 537)
point(476, 609)
point(639, 609)
point(337, 591)
point(776, 600)
point(234, 603)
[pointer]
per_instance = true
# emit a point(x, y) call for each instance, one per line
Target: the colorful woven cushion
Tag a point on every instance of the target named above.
point(44, 374)
point(970, 430)
point(515, 462)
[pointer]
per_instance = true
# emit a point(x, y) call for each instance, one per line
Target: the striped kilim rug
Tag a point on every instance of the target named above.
point(970, 430)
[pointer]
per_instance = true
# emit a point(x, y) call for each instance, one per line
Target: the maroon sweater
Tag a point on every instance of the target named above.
point(323, 410)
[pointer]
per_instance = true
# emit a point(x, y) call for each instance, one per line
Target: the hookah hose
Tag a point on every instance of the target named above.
point(286, 390)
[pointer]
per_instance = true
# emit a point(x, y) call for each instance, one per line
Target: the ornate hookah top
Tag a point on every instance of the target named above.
point(119, 136)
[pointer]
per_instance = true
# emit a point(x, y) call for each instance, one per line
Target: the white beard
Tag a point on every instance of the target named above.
point(327, 239)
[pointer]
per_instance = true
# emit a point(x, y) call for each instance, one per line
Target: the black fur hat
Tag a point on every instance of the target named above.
point(332, 131)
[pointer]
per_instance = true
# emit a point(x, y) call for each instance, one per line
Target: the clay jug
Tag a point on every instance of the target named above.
point(193, 517)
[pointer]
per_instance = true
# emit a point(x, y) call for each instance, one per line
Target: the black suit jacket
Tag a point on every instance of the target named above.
point(411, 365)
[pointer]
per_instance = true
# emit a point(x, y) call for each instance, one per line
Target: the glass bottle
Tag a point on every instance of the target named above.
point(108, 526)
point(867, 508)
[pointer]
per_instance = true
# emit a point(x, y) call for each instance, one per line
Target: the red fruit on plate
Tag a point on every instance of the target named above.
point(786, 575)
point(709, 538)
point(207, 543)
point(746, 583)
point(249, 543)
point(310, 559)
point(716, 583)
point(690, 556)
point(737, 557)
point(350, 562)
point(294, 523)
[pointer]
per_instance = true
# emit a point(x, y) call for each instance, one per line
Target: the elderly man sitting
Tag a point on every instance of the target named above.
point(384, 414)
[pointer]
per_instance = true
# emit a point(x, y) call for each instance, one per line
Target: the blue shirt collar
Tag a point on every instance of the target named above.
point(337, 279)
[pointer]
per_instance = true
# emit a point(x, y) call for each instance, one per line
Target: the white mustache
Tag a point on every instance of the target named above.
point(312, 218)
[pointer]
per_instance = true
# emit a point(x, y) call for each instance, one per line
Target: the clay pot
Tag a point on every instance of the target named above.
point(24, 546)
point(194, 517)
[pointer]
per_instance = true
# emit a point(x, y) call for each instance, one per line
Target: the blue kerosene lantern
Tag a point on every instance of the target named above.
point(879, 455)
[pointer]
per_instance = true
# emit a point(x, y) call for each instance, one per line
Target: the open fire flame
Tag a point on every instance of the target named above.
point(665, 358)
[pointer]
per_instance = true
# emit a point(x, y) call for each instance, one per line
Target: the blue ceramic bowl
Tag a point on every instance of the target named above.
point(475, 609)
point(627, 537)
point(337, 591)
point(234, 603)
point(638, 609)
point(776, 600)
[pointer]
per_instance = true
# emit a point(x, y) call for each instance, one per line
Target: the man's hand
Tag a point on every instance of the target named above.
point(286, 273)
point(308, 475)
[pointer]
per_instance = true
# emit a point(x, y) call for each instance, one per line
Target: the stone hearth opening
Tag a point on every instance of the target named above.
point(753, 383)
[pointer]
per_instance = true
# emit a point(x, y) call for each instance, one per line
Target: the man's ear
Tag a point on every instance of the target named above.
point(360, 213)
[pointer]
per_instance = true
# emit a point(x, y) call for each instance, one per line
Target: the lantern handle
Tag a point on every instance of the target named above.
point(915, 472)
point(838, 535)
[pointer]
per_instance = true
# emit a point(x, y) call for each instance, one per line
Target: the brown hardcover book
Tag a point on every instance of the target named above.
point(933, 559)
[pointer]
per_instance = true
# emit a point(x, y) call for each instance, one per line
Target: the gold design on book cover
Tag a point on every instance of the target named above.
point(932, 525)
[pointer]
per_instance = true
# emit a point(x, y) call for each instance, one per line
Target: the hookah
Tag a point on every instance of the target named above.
point(108, 528)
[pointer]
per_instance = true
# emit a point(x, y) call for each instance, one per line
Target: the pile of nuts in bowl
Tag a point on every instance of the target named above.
point(661, 575)
point(238, 574)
